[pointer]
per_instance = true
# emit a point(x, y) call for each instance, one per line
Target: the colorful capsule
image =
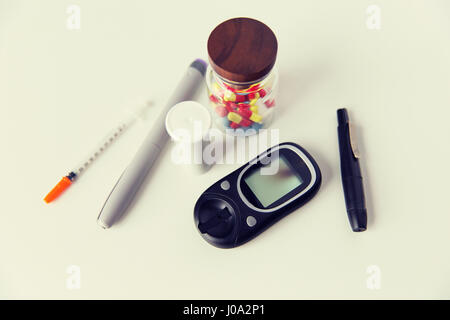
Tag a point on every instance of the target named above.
point(234, 125)
point(245, 122)
point(270, 103)
point(254, 108)
point(213, 98)
point(253, 95)
point(230, 106)
point(240, 98)
point(229, 96)
point(255, 117)
point(262, 93)
point(253, 101)
point(243, 105)
point(246, 113)
point(221, 111)
point(234, 117)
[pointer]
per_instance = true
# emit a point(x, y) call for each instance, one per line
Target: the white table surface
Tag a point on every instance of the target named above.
point(61, 90)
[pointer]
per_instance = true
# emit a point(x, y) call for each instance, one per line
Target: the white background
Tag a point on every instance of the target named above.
point(61, 90)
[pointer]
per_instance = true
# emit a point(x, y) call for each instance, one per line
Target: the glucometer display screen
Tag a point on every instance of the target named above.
point(270, 185)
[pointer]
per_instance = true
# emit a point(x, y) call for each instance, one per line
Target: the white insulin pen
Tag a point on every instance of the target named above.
point(131, 179)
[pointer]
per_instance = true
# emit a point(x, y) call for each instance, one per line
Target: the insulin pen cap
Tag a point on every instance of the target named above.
point(242, 50)
point(200, 65)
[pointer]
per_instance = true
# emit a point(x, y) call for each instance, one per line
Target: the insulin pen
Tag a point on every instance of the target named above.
point(131, 179)
point(352, 182)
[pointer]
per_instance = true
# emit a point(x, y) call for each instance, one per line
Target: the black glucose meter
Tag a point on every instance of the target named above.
point(249, 200)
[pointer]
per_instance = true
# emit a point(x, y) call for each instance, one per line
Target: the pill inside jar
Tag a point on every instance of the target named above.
point(242, 79)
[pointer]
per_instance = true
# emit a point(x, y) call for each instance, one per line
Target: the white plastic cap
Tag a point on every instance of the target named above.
point(188, 119)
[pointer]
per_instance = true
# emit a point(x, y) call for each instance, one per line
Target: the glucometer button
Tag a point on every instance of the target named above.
point(225, 185)
point(251, 221)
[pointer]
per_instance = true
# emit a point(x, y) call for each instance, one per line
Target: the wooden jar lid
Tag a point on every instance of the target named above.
point(242, 49)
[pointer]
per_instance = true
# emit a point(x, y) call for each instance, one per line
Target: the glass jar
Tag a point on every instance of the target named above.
point(241, 79)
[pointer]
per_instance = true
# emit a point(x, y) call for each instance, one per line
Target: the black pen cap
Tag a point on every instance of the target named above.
point(358, 219)
point(342, 116)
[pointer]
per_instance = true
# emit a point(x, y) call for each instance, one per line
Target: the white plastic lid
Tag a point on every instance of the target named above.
point(188, 119)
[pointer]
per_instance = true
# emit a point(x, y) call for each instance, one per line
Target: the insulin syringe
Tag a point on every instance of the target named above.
point(74, 174)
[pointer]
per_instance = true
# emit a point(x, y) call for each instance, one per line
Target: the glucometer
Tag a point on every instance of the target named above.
point(249, 200)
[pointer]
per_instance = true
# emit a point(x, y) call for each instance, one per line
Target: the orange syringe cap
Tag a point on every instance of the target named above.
point(62, 185)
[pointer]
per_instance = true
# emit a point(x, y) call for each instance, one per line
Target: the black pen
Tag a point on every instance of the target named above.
point(352, 182)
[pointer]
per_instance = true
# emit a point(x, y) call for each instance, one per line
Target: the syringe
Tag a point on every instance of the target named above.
point(74, 174)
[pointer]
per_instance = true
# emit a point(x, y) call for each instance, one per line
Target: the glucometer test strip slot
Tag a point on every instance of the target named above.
point(132, 178)
point(352, 182)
